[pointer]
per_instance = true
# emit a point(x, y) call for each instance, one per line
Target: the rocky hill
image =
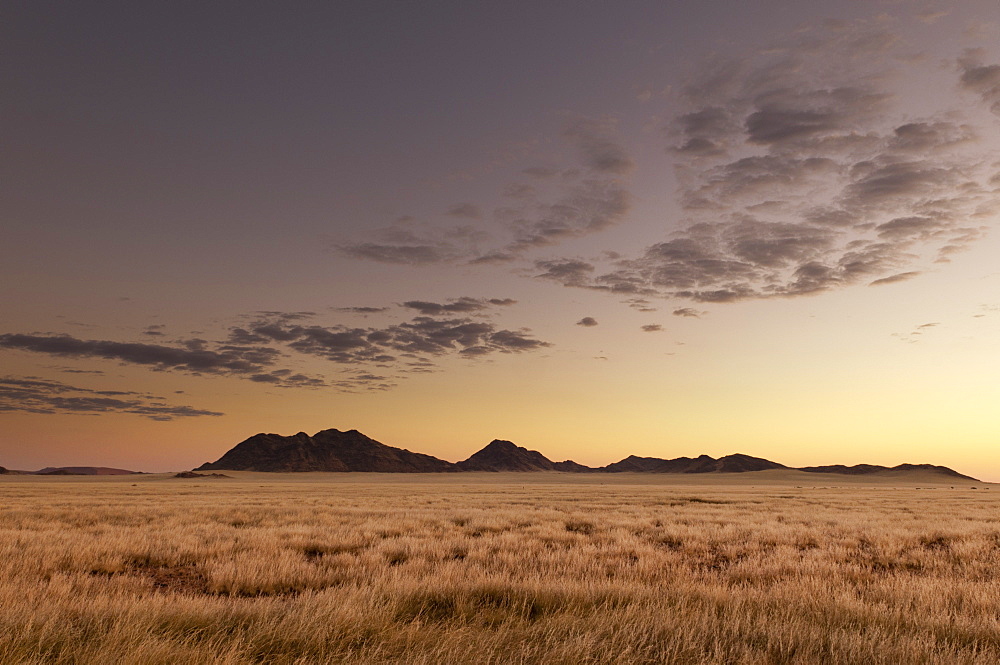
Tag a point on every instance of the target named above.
point(505, 456)
point(327, 450)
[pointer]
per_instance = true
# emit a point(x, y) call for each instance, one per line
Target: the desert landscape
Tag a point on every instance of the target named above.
point(543, 567)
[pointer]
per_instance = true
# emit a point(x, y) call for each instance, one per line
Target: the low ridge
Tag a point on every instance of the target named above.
point(737, 463)
point(83, 471)
point(872, 469)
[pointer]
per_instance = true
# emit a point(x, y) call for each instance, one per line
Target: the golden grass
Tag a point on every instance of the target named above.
point(503, 568)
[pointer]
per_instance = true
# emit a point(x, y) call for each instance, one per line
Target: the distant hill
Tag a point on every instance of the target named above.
point(505, 456)
point(702, 464)
point(875, 469)
point(82, 471)
point(333, 450)
point(328, 450)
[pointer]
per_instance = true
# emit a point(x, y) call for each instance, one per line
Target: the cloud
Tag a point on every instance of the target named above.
point(589, 207)
point(466, 210)
point(595, 139)
point(687, 311)
point(559, 204)
point(915, 335)
point(652, 327)
point(640, 304)
point(541, 172)
point(463, 304)
point(587, 322)
point(567, 271)
point(230, 358)
point(34, 395)
point(801, 170)
point(982, 79)
point(362, 310)
point(258, 346)
point(421, 336)
point(892, 279)
point(415, 254)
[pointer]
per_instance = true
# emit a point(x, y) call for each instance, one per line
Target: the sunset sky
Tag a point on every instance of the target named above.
point(594, 229)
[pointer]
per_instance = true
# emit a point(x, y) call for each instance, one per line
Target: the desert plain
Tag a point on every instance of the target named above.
point(763, 567)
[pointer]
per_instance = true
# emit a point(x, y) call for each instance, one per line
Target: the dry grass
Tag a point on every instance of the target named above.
point(426, 571)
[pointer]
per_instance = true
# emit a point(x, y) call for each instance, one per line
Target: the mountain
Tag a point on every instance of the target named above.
point(333, 450)
point(872, 469)
point(328, 450)
point(739, 463)
point(505, 456)
point(83, 471)
point(702, 464)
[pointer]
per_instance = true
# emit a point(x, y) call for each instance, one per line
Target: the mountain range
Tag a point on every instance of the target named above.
point(333, 450)
point(71, 471)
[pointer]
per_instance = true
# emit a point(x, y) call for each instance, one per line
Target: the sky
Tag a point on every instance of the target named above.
point(594, 229)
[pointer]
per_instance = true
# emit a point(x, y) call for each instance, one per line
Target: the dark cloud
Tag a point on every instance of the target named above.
point(73, 370)
point(405, 254)
point(980, 78)
point(640, 304)
point(422, 335)
point(225, 359)
point(800, 171)
point(494, 257)
point(520, 191)
point(567, 271)
point(362, 310)
point(652, 327)
point(687, 311)
point(705, 132)
point(892, 279)
point(34, 395)
point(587, 322)
point(256, 348)
point(457, 305)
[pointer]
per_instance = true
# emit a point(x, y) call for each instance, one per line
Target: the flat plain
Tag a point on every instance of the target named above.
point(764, 567)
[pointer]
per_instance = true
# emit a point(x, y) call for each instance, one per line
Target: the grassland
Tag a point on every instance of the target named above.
point(497, 568)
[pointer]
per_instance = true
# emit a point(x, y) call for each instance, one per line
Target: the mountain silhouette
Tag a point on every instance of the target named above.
point(702, 464)
point(505, 456)
point(83, 471)
point(333, 450)
point(868, 469)
point(327, 450)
